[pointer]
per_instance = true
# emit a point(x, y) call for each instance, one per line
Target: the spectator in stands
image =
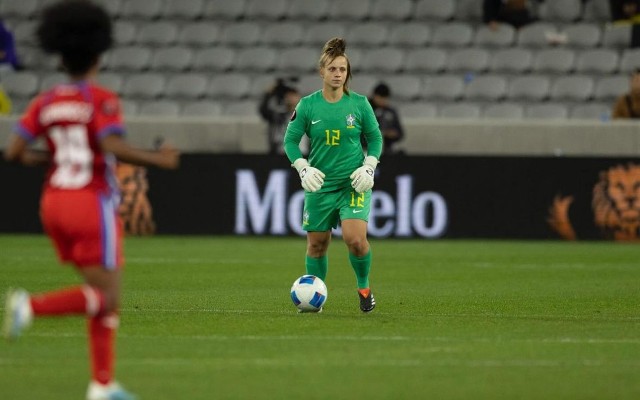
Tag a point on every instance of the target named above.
point(627, 12)
point(276, 107)
point(387, 117)
point(514, 12)
point(628, 104)
point(8, 54)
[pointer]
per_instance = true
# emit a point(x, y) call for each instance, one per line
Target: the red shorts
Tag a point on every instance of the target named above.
point(84, 226)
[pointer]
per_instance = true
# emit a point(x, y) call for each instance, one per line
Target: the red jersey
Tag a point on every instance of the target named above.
point(74, 118)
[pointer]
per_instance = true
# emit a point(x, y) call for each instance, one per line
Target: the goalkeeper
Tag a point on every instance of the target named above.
point(337, 177)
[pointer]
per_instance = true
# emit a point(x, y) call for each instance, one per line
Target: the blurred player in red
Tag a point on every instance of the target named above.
point(82, 125)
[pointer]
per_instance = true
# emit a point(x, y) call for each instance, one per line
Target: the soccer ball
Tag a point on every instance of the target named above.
point(308, 293)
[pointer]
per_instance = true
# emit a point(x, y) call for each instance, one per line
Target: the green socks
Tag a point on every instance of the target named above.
point(317, 266)
point(361, 266)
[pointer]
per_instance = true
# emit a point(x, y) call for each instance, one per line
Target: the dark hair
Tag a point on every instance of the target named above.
point(382, 90)
point(336, 47)
point(78, 30)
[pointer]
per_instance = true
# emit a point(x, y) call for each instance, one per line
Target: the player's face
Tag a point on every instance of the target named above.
point(334, 74)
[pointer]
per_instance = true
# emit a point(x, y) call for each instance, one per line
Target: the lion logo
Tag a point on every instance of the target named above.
point(615, 203)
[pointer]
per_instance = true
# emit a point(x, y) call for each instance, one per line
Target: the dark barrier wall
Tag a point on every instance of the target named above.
point(430, 197)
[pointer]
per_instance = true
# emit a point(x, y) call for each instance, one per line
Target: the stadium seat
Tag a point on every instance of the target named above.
point(504, 36)
point(486, 88)
point(572, 88)
point(460, 111)
point(417, 110)
point(367, 34)
point(444, 11)
point(512, 60)
point(616, 36)
point(202, 108)
point(566, 11)
point(110, 80)
point(232, 86)
point(133, 58)
point(214, 59)
point(554, 60)
point(404, 87)
point(597, 11)
point(352, 10)
point(309, 83)
point(186, 86)
point(630, 60)
point(546, 111)
point(503, 111)
point(147, 9)
point(597, 61)
point(316, 34)
point(583, 35)
point(144, 86)
point(129, 107)
point(22, 9)
point(471, 59)
point(124, 32)
point(363, 83)
point(47, 81)
point(260, 84)
point(308, 10)
point(535, 34)
point(445, 87)
point(183, 9)
point(225, 9)
point(160, 108)
point(298, 60)
point(609, 87)
point(453, 34)
point(427, 60)
point(283, 34)
point(592, 111)
point(270, 10)
point(24, 34)
point(175, 58)
point(241, 108)
point(383, 60)
point(241, 34)
point(160, 33)
point(529, 87)
point(468, 10)
point(113, 7)
point(391, 11)
point(199, 34)
point(410, 34)
point(255, 59)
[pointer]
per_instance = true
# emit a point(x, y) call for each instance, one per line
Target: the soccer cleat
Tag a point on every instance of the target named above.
point(17, 313)
point(111, 391)
point(367, 302)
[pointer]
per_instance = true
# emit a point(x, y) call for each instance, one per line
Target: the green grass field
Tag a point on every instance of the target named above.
point(211, 318)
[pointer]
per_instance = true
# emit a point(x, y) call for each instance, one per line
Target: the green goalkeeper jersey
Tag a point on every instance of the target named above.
point(334, 131)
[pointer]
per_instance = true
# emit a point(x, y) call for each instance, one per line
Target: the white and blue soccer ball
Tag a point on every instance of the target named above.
point(309, 293)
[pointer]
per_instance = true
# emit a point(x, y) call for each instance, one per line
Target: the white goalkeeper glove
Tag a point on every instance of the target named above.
point(362, 178)
point(311, 178)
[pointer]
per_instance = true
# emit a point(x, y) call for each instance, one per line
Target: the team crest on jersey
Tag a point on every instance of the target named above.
point(350, 121)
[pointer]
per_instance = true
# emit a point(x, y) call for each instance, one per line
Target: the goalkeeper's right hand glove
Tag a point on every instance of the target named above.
point(311, 178)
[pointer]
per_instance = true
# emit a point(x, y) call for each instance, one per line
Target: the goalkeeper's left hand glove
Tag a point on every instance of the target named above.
point(362, 178)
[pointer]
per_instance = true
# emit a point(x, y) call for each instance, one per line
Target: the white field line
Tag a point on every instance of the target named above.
point(354, 338)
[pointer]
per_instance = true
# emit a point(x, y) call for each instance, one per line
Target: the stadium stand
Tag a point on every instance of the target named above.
point(570, 64)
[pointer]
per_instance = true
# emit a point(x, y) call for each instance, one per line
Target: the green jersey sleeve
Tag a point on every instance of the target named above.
point(371, 130)
point(296, 128)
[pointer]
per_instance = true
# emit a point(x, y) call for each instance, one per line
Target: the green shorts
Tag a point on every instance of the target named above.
point(324, 211)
